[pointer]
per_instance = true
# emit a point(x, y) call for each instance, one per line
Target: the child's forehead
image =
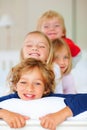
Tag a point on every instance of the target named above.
point(32, 70)
point(61, 51)
point(37, 38)
point(51, 18)
point(34, 35)
point(60, 48)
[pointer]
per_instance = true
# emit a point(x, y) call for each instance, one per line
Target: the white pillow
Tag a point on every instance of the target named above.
point(39, 107)
point(34, 108)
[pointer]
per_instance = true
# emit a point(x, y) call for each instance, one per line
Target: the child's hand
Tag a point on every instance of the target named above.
point(49, 121)
point(14, 120)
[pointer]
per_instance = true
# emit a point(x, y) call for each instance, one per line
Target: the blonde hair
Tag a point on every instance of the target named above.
point(30, 64)
point(49, 15)
point(50, 57)
point(58, 44)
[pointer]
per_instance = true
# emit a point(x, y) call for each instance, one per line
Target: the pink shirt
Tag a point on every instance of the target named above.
point(68, 84)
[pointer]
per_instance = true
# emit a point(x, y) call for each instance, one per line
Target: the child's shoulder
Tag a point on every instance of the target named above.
point(68, 40)
point(75, 49)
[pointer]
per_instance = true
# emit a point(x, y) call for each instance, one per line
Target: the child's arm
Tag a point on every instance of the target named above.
point(50, 121)
point(14, 120)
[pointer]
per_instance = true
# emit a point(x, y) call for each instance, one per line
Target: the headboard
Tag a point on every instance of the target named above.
point(7, 60)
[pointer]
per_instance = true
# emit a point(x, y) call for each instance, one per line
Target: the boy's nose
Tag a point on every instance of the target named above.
point(29, 87)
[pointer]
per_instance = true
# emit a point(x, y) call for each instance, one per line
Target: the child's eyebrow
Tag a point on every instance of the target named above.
point(42, 42)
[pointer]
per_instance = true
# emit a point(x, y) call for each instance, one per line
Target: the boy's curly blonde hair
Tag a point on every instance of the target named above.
point(26, 66)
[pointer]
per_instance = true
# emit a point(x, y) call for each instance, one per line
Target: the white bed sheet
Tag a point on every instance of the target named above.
point(35, 125)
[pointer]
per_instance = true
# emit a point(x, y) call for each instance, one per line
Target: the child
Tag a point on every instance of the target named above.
point(62, 57)
point(34, 79)
point(37, 45)
point(52, 24)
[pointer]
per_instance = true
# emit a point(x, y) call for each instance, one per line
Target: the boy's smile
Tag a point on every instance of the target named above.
point(31, 85)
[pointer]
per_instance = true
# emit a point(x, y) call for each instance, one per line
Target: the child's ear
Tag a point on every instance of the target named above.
point(15, 88)
point(63, 34)
point(46, 92)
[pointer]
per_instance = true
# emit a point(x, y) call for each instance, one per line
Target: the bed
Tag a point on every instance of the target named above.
point(7, 60)
point(35, 125)
point(35, 109)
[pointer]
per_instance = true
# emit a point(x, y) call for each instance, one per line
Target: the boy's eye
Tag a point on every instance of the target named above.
point(37, 83)
point(22, 82)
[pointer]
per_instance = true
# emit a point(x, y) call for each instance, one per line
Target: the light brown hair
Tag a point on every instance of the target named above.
point(30, 64)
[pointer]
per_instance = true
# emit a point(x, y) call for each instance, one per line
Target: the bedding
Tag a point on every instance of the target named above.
point(39, 107)
point(79, 74)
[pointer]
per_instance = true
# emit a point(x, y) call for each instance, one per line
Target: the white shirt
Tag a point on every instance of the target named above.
point(58, 88)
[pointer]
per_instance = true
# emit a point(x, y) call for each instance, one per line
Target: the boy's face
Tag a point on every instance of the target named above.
point(36, 46)
point(31, 85)
point(52, 28)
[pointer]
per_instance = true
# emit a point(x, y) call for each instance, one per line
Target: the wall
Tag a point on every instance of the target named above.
point(81, 23)
point(25, 14)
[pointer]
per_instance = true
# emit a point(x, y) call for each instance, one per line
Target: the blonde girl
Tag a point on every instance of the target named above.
point(37, 45)
point(53, 25)
point(62, 57)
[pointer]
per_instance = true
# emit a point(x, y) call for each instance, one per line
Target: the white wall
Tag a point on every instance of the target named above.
point(25, 14)
point(38, 7)
point(81, 23)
